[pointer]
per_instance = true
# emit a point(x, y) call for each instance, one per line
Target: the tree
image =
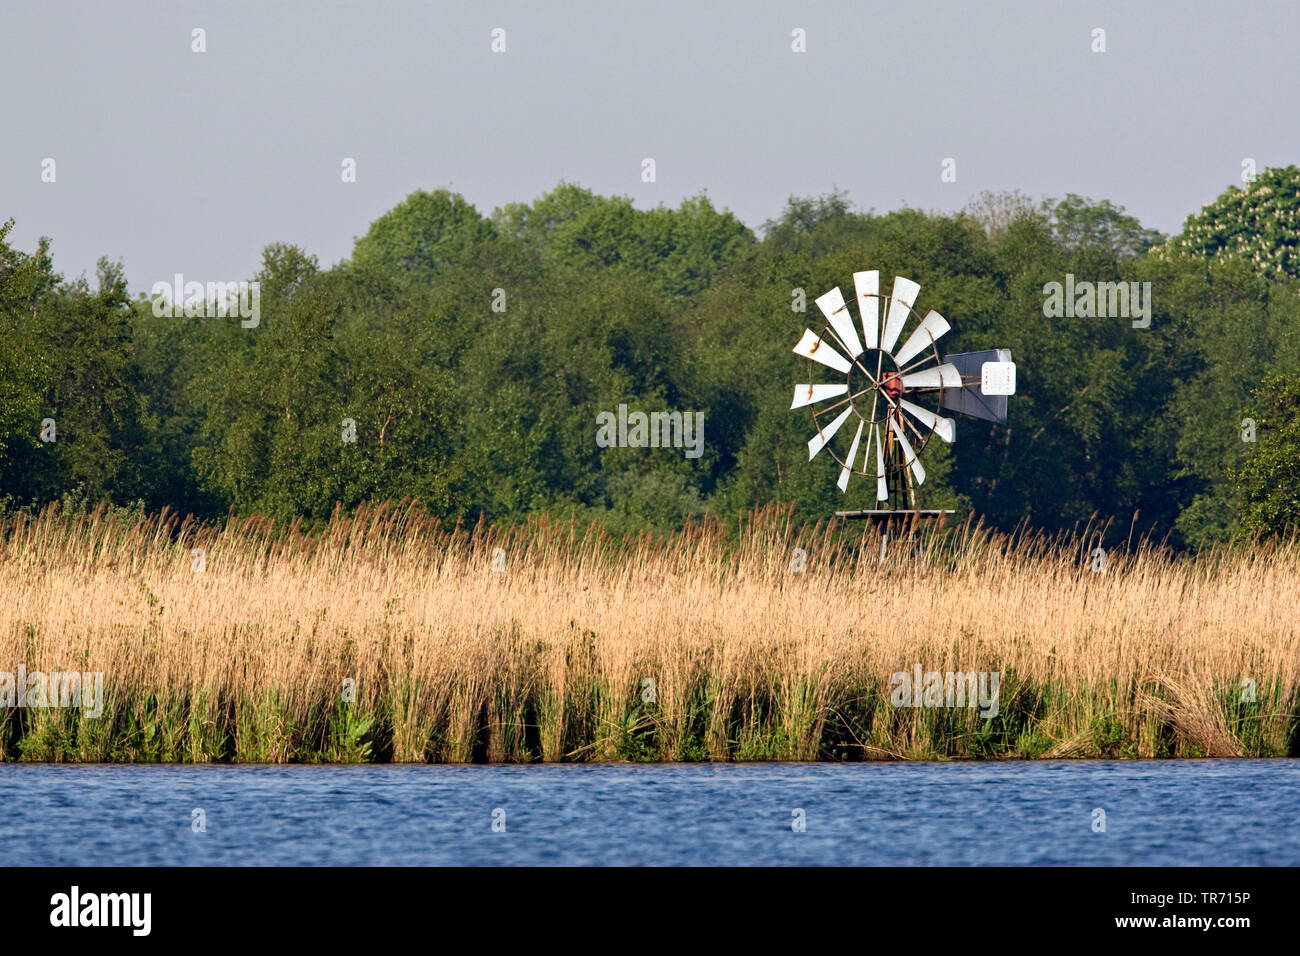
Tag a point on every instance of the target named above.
point(534, 224)
point(996, 210)
point(681, 249)
point(1269, 479)
point(24, 279)
point(1260, 225)
point(816, 225)
point(1098, 232)
point(87, 389)
point(423, 233)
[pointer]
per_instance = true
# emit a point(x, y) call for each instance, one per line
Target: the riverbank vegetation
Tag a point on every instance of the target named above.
point(382, 636)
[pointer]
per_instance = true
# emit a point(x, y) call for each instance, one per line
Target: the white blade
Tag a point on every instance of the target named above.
point(941, 376)
point(882, 487)
point(818, 441)
point(909, 456)
point(810, 346)
point(867, 285)
point(809, 394)
point(837, 314)
point(931, 327)
point(945, 428)
point(848, 462)
point(900, 306)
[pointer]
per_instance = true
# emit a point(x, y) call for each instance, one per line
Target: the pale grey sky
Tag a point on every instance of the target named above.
point(183, 162)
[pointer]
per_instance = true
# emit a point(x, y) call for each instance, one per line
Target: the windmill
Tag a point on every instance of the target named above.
point(893, 396)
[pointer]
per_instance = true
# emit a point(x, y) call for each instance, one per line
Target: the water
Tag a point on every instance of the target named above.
point(1211, 812)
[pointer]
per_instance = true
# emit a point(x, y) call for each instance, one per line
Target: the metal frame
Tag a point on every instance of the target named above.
point(903, 522)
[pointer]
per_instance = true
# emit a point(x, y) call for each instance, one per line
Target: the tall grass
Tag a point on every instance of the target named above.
point(700, 645)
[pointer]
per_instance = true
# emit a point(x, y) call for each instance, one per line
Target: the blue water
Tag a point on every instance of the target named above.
point(1211, 812)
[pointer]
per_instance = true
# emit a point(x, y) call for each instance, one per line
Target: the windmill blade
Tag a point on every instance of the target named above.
point(945, 428)
point(941, 376)
point(900, 307)
point(837, 314)
point(818, 441)
point(882, 486)
point(917, 468)
point(810, 346)
point(848, 462)
point(810, 394)
point(931, 328)
point(867, 286)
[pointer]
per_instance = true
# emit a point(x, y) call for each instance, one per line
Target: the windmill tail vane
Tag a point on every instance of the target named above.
point(894, 394)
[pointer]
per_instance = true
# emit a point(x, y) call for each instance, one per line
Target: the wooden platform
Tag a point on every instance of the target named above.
point(898, 514)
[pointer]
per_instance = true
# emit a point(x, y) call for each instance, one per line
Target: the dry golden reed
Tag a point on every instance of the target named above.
point(703, 644)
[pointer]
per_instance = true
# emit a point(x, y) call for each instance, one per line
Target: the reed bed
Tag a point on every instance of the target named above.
point(383, 637)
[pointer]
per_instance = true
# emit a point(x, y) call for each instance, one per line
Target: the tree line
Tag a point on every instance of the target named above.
point(463, 358)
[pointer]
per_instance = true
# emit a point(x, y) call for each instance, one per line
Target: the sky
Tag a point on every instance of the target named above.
point(180, 161)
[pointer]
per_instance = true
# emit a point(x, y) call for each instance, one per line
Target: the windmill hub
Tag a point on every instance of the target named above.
point(869, 374)
point(892, 385)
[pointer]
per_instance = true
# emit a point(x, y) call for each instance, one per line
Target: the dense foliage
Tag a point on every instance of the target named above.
point(1259, 225)
point(469, 356)
point(1270, 477)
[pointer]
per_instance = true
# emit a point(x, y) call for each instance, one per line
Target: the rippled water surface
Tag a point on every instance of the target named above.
point(1212, 812)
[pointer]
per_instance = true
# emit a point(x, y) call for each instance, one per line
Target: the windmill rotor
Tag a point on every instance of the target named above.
point(895, 388)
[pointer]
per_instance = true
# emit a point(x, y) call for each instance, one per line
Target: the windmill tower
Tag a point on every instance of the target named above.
point(893, 396)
